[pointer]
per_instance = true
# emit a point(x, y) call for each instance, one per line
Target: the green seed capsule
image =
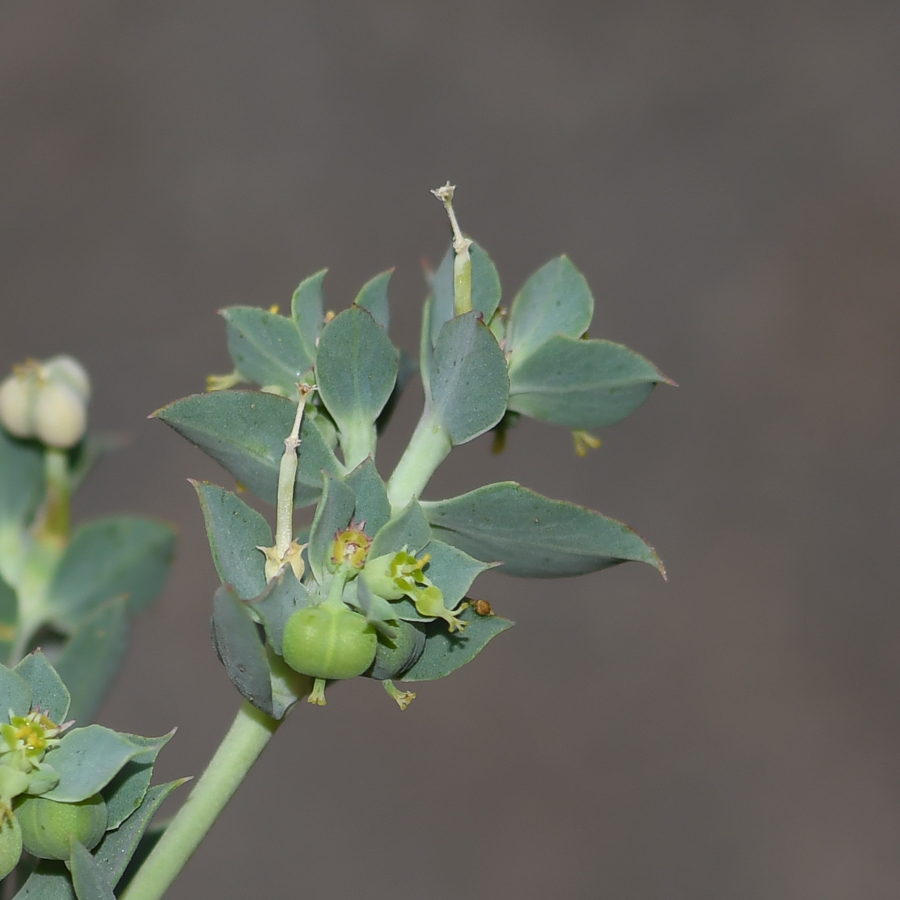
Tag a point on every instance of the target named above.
point(47, 825)
point(10, 843)
point(328, 642)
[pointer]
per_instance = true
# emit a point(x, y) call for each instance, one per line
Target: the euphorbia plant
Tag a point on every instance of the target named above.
point(378, 585)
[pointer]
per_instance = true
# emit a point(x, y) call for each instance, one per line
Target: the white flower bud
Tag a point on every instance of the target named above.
point(60, 415)
point(65, 369)
point(18, 393)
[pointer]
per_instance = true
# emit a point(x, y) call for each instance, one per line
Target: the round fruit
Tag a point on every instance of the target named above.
point(10, 843)
point(328, 642)
point(47, 825)
point(60, 417)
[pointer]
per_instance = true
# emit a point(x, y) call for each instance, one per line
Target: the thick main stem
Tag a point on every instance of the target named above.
point(427, 449)
point(241, 747)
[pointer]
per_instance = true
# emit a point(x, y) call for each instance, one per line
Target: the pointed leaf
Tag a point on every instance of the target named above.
point(485, 288)
point(266, 348)
point(452, 571)
point(117, 847)
point(445, 652)
point(555, 300)
point(332, 515)
point(581, 384)
point(118, 556)
point(244, 431)
point(533, 536)
point(48, 693)
point(88, 879)
point(93, 656)
point(50, 880)
point(308, 311)
point(88, 759)
point(15, 694)
point(372, 505)
point(240, 649)
point(374, 298)
point(410, 529)
point(125, 793)
point(235, 531)
point(356, 369)
point(469, 384)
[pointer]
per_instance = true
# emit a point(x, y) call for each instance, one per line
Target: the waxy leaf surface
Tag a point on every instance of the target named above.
point(410, 529)
point(244, 431)
point(88, 878)
point(308, 311)
point(332, 515)
point(581, 384)
point(485, 289)
point(374, 297)
point(48, 693)
point(534, 536)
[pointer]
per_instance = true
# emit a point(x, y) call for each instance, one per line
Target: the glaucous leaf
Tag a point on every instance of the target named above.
point(374, 297)
point(244, 431)
point(333, 514)
point(112, 557)
point(93, 656)
point(125, 793)
point(581, 384)
point(534, 536)
point(485, 288)
point(282, 597)
point(469, 384)
point(235, 530)
point(21, 479)
point(9, 620)
point(48, 693)
point(15, 694)
point(88, 879)
point(452, 570)
point(266, 348)
point(372, 504)
point(555, 300)
point(445, 652)
point(308, 311)
point(89, 758)
point(50, 880)
point(410, 529)
point(240, 649)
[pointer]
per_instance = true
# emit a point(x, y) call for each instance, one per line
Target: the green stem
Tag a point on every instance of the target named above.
point(57, 521)
point(287, 474)
point(427, 449)
point(241, 747)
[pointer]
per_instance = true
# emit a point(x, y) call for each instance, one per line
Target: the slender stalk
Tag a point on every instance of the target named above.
point(462, 262)
point(241, 747)
point(287, 473)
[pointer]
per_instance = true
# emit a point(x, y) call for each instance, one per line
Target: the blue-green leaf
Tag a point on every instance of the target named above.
point(15, 694)
point(266, 348)
point(50, 880)
point(534, 536)
point(125, 793)
point(555, 300)
point(21, 479)
point(452, 571)
point(485, 288)
point(356, 369)
point(409, 529)
point(244, 431)
point(9, 620)
point(88, 879)
point(332, 515)
point(282, 597)
point(118, 556)
point(88, 759)
point(235, 531)
point(469, 384)
point(238, 645)
point(581, 384)
point(93, 655)
point(372, 504)
point(117, 847)
point(374, 298)
point(48, 693)
point(308, 311)
point(445, 652)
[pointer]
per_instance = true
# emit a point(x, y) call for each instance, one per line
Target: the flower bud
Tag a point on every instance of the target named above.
point(47, 825)
point(60, 416)
point(17, 397)
point(66, 370)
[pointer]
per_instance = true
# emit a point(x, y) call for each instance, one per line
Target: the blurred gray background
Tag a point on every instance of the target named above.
point(726, 176)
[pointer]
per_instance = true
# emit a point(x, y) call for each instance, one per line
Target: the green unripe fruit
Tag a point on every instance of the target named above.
point(18, 393)
point(47, 825)
point(328, 641)
point(10, 843)
point(60, 416)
